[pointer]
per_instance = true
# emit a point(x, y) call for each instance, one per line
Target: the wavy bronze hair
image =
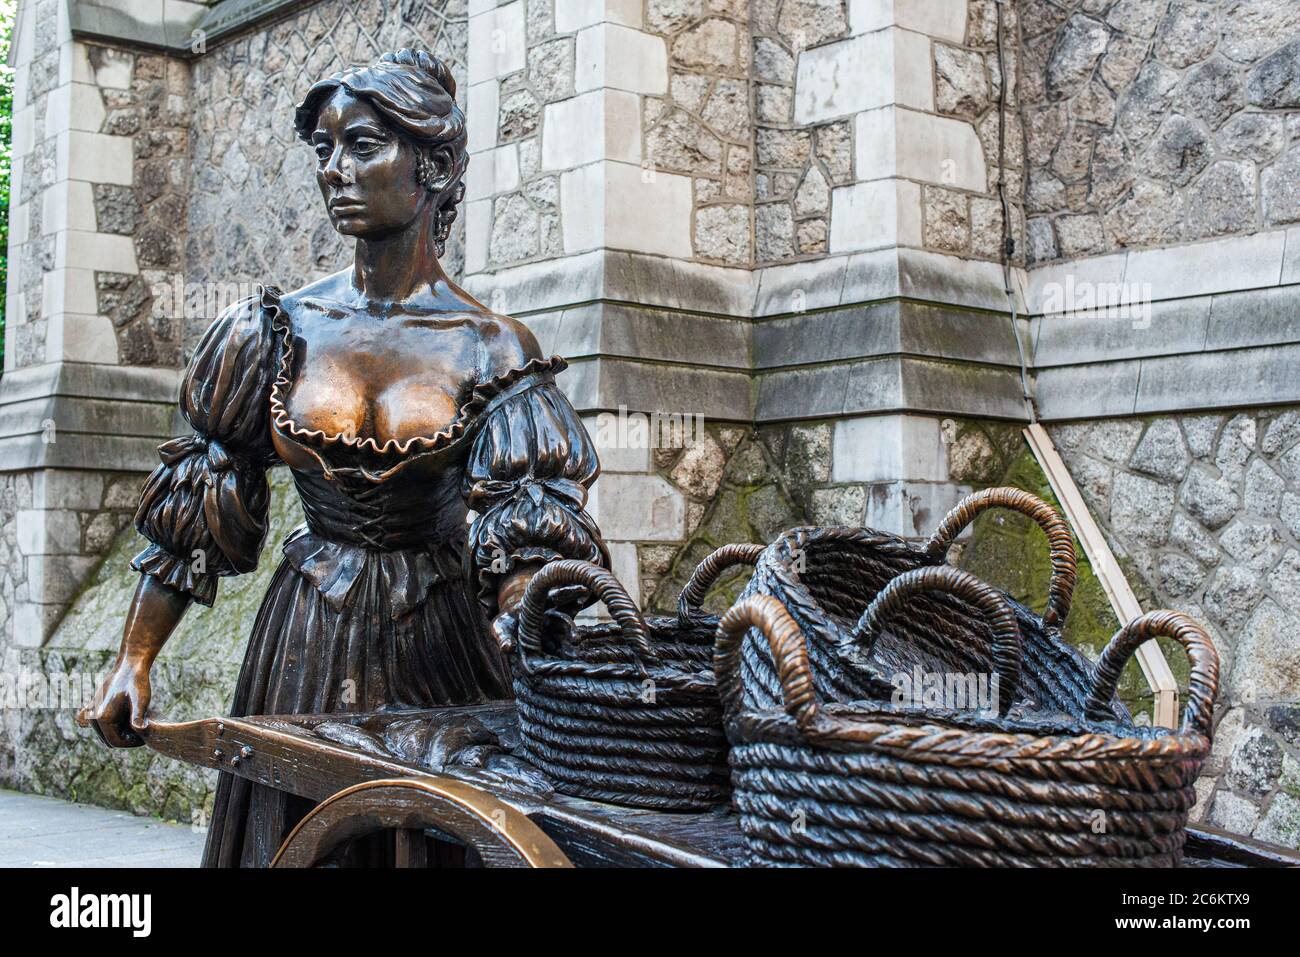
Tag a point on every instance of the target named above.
point(415, 94)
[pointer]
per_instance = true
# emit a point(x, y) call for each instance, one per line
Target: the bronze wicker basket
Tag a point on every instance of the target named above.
point(826, 577)
point(874, 784)
point(625, 712)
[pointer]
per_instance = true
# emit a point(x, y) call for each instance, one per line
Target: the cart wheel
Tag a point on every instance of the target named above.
point(499, 834)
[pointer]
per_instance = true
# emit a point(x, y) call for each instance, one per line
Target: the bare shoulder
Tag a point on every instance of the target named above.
point(506, 343)
point(333, 286)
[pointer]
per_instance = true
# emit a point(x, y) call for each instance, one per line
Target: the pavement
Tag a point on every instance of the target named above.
point(37, 831)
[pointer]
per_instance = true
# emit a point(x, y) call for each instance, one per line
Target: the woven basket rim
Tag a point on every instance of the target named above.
point(929, 736)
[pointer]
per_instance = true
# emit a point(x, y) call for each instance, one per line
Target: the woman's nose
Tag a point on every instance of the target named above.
point(335, 171)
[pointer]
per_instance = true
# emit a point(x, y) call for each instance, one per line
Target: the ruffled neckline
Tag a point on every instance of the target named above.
point(454, 431)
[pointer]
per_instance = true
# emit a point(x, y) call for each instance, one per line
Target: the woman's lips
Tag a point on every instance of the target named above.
point(345, 205)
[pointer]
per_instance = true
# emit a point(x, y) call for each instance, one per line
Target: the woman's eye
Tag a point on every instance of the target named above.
point(366, 147)
point(323, 152)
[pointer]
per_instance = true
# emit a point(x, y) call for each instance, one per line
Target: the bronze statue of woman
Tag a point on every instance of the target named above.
point(399, 403)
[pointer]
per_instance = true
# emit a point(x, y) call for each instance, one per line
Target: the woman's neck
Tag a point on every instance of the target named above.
point(400, 266)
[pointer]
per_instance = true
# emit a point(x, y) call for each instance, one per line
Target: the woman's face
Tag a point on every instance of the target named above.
point(366, 172)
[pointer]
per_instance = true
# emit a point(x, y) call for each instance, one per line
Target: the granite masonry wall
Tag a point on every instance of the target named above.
point(1204, 511)
point(1150, 122)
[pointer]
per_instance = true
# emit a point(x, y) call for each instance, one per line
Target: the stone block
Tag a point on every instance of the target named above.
point(874, 215)
point(57, 579)
point(888, 448)
point(582, 197)
point(95, 157)
point(60, 488)
point(936, 149)
point(1174, 383)
point(497, 42)
point(599, 125)
point(48, 532)
point(938, 277)
point(617, 450)
point(1178, 326)
point(1086, 391)
point(492, 172)
point(820, 90)
point(34, 622)
point(818, 392)
point(69, 204)
point(73, 106)
point(941, 19)
point(573, 15)
point(623, 563)
point(80, 338)
point(1222, 265)
point(798, 287)
point(638, 508)
point(649, 214)
point(911, 509)
point(912, 67)
point(481, 115)
point(612, 56)
point(478, 233)
point(827, 336)
point(1256, 317)
point(98, 251)
point(870, 276)
point(69, 290)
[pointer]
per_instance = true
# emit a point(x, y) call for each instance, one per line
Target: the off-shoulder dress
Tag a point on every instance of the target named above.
point(383, 595)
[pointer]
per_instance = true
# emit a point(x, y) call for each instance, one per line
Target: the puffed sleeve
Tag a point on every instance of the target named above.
point(527, 478)
point(204, 509)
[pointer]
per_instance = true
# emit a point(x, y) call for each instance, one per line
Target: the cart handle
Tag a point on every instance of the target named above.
point(944, 578)
point(707, 572)
point(1059, 537)
point(532, 609)
point(1203, 682)
point(789, 652)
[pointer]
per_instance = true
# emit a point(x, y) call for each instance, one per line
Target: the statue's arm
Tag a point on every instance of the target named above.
point(120, 708)
point(527, 479)
point(203, 510)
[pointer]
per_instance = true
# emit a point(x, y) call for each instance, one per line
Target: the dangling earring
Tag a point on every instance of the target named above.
point(426, 173)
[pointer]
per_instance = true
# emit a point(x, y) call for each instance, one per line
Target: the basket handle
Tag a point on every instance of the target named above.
point(1203, 682)
point(707, 572)
point(945, 578)
point(1059, 538)
point(532, 609)
point(789, 652)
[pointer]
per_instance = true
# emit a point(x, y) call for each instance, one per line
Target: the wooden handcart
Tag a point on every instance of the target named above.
point(444, 819)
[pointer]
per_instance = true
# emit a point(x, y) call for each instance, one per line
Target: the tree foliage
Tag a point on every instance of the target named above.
point(6, 128)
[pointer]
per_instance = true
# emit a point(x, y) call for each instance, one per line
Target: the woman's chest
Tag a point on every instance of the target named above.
point(389, 379)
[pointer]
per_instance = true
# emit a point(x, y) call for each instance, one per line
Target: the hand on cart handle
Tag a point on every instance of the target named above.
point(119, 712)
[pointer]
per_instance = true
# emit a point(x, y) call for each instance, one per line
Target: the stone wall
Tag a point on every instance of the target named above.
point(1204, 511)
point(1150, 122)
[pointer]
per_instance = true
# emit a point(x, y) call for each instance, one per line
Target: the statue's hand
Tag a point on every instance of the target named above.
point(504, 627)
point(558, 621)
point(121, 707)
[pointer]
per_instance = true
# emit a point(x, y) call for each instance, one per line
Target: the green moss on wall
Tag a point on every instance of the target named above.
point(1009, 550)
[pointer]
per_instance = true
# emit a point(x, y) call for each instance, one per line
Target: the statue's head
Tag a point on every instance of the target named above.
point(390, 144)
